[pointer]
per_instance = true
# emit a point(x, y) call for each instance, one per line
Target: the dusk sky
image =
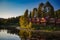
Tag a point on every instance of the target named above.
point(13, 8)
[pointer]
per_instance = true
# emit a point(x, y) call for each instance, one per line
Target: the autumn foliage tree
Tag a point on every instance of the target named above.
point(25, 24)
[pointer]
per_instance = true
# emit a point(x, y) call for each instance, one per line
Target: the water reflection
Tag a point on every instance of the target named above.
point(28, 35)
point(39, 35)
point(4, 35)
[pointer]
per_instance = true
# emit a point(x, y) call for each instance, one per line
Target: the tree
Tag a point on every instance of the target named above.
point(40, 10)
point(34, 12)
point(30, 15)
point(58, 13)
point(24, 24)
point(26, 13)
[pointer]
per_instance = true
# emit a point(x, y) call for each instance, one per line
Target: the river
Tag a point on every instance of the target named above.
point(4, 35)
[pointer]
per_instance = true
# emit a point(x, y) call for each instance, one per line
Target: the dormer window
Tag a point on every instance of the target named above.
point(35, 15)
point(47, 9)
point(43, 20)
point(42, 8)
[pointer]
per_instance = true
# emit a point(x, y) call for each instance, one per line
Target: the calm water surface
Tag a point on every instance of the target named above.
point(8, 36)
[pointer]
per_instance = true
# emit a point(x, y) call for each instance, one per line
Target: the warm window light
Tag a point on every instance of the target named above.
point(43, 20)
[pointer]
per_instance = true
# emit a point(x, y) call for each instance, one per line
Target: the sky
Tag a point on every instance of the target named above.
point(13, 8)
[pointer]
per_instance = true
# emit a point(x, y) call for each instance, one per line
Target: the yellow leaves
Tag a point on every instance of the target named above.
point(25, 33)
point(30, 25)
point(24, 24)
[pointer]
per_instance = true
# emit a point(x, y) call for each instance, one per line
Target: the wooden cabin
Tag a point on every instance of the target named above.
point(52, 21)
point(43, 21)
point(58, 22)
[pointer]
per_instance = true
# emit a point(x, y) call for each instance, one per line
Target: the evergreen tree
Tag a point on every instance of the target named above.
point(58, 13)
point(30, 15)
point(40, 11)
point(34, 12)
point(26, 13)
